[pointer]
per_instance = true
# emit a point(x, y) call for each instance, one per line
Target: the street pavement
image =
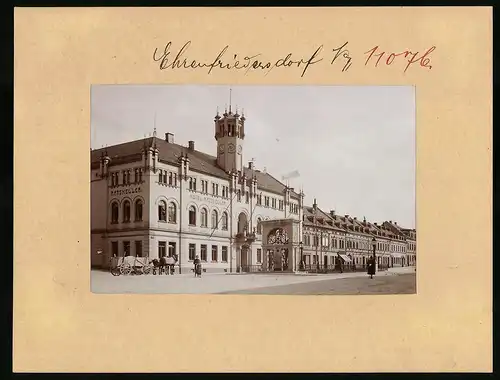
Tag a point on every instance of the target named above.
point(399, 283)
point(388, 282)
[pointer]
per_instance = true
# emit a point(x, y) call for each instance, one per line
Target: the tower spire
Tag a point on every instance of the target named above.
point(230, 94)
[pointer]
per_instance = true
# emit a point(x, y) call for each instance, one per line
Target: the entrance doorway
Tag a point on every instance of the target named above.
point(244, 258)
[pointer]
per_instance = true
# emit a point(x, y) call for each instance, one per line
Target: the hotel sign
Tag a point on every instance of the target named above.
point(130, 190)
point(214, 201)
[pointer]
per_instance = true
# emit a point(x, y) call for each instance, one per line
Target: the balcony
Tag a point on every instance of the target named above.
point(245, 238)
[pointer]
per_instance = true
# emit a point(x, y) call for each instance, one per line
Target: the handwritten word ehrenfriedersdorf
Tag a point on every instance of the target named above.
point(341, 56)
point(224, 60)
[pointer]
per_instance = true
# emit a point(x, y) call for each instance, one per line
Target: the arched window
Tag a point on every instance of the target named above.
point(114, 212)
point(172, 213)
point(242, 223)
point(192, 216)
point(204, 217)
point(162, 211)
point(215, 219)
point(224, 221)
point(126, 211)
point(138, 210)
point(259, 226)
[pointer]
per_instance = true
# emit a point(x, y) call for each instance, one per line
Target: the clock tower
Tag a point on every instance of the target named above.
point(230, 133)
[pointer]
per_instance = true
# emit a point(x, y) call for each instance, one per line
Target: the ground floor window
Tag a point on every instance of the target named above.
point(171, 248)
point(138, 248)
point(224, 254)
point(114, 248)
point(162, 249)
point(126, 248)
point(259, 255)
point(203, 251)
point(214, 253)
point(315, 259)
point(192, 251)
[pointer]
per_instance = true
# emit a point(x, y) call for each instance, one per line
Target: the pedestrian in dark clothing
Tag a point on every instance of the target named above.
point(197, 267)
point(371, 266)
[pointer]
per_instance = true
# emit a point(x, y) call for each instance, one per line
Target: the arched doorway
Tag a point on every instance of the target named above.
point(278, 255)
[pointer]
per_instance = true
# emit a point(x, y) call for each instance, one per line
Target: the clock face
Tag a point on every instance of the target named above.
point(239, 148)
point(231, 148)
point(221, 148)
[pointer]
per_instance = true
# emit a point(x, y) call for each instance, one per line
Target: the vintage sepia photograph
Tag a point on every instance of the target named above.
point(228, 189)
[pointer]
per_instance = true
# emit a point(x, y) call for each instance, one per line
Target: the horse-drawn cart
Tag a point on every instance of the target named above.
point(130, 264)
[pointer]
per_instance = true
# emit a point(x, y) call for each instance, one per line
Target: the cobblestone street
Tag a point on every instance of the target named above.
point(404, 283)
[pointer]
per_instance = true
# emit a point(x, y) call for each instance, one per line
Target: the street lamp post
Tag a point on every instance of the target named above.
point(301, 247)
point(372, 269)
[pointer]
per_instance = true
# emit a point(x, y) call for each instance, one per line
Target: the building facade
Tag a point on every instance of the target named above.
point(153, 197)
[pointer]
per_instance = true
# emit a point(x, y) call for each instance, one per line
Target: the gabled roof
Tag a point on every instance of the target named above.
point(170, 152)
point(322, 218)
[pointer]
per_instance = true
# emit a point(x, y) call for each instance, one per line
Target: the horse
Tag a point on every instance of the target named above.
point(158, 265)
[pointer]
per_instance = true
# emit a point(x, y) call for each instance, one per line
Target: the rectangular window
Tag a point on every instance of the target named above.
point(114, 248)
point(165, 177)
point(259, 255)
point(192, 251)
point(281, 205)
point(266, 201)
point(138, 248)
point(247, 198)
point(170, 178)
point(160, 176)
point(214, 253)
point(238, 195)
point(203, 251)
point(259, 199)
point(171, 248)
point(224, 254)
point(192, 183)
point(273, 202)
point(126, 248)
point(162, 249)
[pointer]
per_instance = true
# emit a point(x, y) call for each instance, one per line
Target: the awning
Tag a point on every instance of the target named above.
point(346, 258)
point(397, 255)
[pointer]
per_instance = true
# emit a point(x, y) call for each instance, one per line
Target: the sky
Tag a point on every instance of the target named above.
point(354, 146)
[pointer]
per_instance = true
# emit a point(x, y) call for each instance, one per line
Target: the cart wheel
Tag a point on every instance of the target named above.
point(125, 269)
point(115, 271)
point(146, 269)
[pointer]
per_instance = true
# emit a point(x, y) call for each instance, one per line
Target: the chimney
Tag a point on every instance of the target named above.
point(169, 137)
point(191, 144)
point(250, 165)
point(390, 221)
point(332, 213)
point(376, 224)
point(346, 216)
point(396, 223)
point(355, 218)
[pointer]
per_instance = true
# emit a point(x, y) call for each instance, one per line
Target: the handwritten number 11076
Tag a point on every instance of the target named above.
point(375, 56)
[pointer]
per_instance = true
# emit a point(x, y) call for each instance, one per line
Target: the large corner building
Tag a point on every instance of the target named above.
point(152, 197)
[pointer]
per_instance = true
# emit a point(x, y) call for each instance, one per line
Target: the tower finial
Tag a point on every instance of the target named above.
point(217, 110)
point(230, 93)
point(154, 126)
